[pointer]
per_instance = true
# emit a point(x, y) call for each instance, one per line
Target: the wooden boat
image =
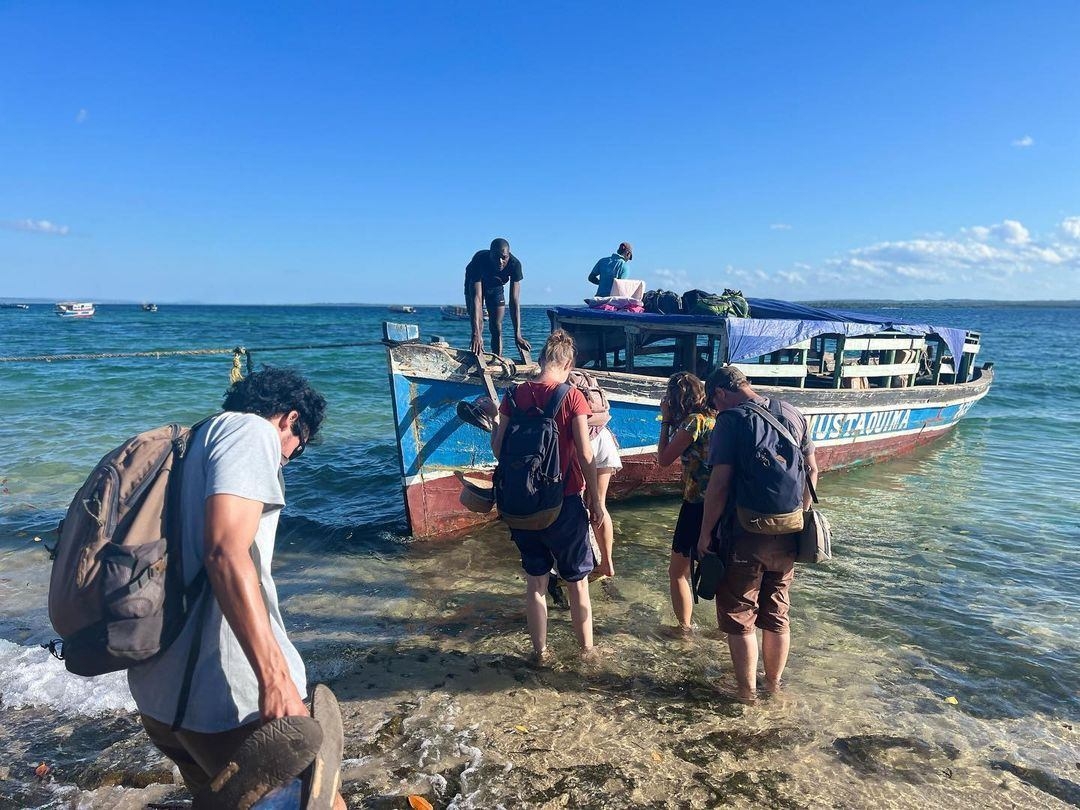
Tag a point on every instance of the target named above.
point(402, 308)
point(456, 312)
point(75, 309)
point(871, 388)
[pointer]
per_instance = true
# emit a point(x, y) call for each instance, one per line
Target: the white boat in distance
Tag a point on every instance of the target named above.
point(402, 308)
point(457, 312)
point(149, 307)
point(75, 309)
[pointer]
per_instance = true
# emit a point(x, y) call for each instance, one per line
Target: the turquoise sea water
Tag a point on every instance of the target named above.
point(957, 573)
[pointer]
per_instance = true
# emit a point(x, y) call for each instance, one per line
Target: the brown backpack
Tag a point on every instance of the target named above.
point(116, 594)
point(587, 384)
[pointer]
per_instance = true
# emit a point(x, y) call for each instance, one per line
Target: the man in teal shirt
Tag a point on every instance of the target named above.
point(610, 268)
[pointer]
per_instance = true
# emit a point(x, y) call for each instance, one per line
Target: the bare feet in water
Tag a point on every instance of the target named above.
point(745, 694)
point(679, 631)
point(592, 655)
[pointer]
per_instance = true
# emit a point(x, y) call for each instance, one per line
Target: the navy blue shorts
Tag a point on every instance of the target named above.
point(565, 543)
point(688, 529)
point(493, 299)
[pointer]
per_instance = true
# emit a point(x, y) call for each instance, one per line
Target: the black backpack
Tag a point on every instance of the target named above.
point(662, 302)
point(770, 472)
point(528, 481)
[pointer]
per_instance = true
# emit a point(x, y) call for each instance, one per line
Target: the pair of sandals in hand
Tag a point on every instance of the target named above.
point(279, 751)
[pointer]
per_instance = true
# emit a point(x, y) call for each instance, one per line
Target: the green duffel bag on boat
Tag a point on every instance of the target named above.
point(731, 302)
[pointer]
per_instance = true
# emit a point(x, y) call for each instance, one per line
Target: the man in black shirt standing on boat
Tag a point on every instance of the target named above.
point(486, 276)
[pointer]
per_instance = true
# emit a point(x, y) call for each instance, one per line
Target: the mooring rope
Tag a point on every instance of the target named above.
point(237, 351)
point(236, 373)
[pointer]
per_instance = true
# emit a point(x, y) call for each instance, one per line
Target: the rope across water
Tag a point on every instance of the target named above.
point(237, 352)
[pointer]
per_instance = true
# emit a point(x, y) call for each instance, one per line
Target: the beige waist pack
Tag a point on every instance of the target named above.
point(761, 523)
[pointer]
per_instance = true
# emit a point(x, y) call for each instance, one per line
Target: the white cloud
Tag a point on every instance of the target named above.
point(1024, 143)
point(36, 226)
point(81, 116)
point(976, 255)
point(1009, 231)
point(667, 279)
point(1004, 260)
point(780, 226)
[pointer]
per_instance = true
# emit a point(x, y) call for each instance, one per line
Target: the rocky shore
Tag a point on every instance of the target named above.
point(481, 728)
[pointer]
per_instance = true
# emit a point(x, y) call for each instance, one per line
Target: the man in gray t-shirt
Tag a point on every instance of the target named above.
point(246, 671)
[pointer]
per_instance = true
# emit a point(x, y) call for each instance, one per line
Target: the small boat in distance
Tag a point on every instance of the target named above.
point(14, 306)
point(402, 308)
point(149, 307)
point(456, 312)
point(75, 309)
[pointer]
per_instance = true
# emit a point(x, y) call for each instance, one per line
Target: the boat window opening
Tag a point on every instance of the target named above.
point(882, 360)
point(788, 366)
point(599, 349)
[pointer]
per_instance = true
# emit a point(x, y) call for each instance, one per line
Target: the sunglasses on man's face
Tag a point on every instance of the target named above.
point(299, 451)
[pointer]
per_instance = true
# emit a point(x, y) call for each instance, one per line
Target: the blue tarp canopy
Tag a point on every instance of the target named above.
point(776, 324)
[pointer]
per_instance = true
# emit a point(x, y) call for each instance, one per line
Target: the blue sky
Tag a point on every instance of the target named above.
point(361, 152)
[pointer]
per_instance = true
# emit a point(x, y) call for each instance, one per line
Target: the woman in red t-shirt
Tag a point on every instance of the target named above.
point(565, 543)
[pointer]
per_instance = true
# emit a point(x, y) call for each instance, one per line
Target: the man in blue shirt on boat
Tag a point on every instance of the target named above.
point(486, 276)
point(609, 268)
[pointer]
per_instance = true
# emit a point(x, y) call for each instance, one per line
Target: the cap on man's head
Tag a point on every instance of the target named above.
point(728, 378)
point(626, 249)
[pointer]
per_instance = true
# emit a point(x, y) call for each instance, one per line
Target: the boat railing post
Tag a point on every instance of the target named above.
point(890, 359)
point(838, 363)
point(631, 336)
point(939, 358)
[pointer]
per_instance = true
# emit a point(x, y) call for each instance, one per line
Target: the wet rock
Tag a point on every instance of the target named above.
point(1063, 789)
point(739, 744)
point(355, 797)
point(584, 786)
point(389, 734)
point(129, 763)
point(909, 758)
point(758, 788)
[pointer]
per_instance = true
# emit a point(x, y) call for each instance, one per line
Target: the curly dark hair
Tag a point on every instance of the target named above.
point(278, 390)
point(686, 395)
